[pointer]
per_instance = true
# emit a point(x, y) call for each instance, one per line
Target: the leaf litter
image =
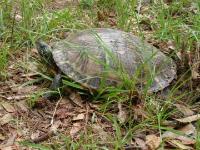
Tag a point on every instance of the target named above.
point(75, 119)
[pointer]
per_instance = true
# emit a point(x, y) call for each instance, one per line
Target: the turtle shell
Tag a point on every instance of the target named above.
point(96, 57)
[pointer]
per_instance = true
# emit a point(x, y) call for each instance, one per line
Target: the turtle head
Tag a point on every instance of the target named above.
point(45, 52)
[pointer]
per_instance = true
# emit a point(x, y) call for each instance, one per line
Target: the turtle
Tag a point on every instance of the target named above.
point(99, 57)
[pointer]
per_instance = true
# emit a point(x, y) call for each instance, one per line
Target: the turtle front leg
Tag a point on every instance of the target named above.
point(55, 85)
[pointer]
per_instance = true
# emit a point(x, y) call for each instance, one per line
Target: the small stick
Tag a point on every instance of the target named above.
point(52, 131)
point(52, 119)
point(15, 97)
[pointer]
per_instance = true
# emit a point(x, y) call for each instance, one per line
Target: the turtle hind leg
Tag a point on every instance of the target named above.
point(55, 85)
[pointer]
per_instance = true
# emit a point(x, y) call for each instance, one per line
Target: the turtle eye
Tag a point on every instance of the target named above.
point(43, 46)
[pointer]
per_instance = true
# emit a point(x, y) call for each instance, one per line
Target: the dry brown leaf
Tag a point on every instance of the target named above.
point(179, 55)
point(34, 50)
point(8, 107)
point(152, 141)
point(112, 21)
point(79, 117)
point(101, 16)
point(2, 138)
point(195, 74)
point(178, 144)
point(6, 119)
point(55, 126)
point(141, 143)
point(11, 139)
point(101, 133)
point(1, 107)
point(185, 140)
point(170, 45)
point(26, 89)
point(75, 129)
point(185, 110)
point(189, 130)
point(139, 112)
point(76, 99)
point(122, 114)
point(22, 105)
point(6, 147)
point(189, 119)
point(35, 135)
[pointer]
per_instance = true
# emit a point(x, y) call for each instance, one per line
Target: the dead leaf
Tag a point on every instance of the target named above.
point(112, 21)
point(185, 110)
point(34, 50)
point(189, 130)
point(189, 119)
point(122, 114)
point(8, 107)
point(22, 105)
point(35, 135)
point(38, 137)
point(2, 138)
point(79, 117)
point(1, 107)
point(179, 55)
point(6, 147)
point(101, 16)
point(11, 139)
point(55, 126)
point(101, 133)
point(139, 112)
point(184, 139)
point(75, 129)
point(170, 45)
point(178, 144)
point(6, 119)
point(141, 143)
point(195, 74)
point(152, 141)
point(26, 89)
point(76, 99)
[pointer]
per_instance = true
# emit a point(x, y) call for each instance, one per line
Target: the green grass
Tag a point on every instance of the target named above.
point(174, 22)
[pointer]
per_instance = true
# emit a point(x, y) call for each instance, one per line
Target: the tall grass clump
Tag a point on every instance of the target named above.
point(125, 12)
point(178, 22)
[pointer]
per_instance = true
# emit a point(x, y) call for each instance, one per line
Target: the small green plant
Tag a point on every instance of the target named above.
point(3, 59)
point(197, 145)
point(34, 146)
point(86, 3)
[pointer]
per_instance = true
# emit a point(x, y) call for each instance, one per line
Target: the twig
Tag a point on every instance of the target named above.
point(52, 119)
point(87, 115)
point(12, 28)
point(15, 97)
point(53, 128)
point(86, 119)
point(139, 6)
point(46, 136)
